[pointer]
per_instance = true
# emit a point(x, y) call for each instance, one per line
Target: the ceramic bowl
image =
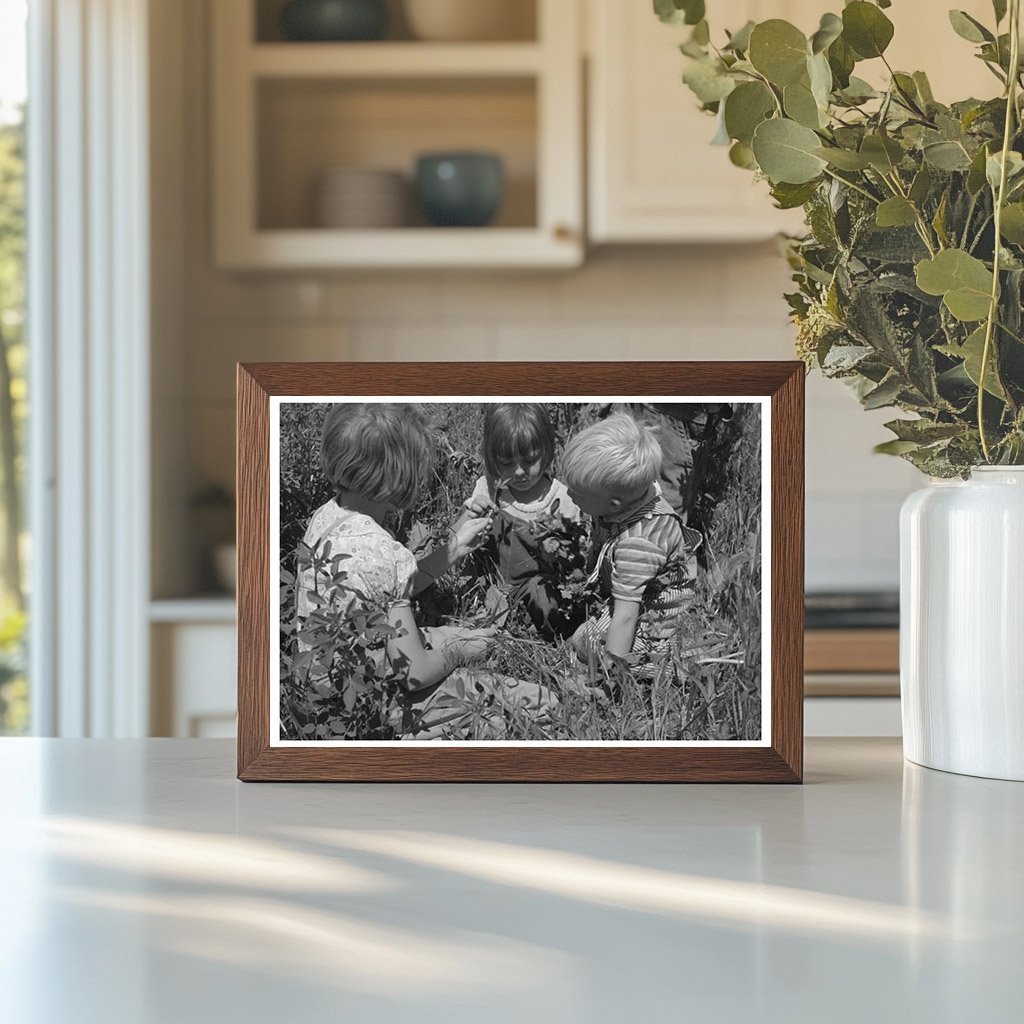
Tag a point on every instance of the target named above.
point(334, 20)
point(359, 197)
point(460, 189)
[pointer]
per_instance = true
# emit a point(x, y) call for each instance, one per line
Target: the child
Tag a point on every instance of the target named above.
point(528, 506)
point(686, 433)
point(376, 457)
point(642, 552)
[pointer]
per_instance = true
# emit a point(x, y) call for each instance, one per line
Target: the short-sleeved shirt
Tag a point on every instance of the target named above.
point(648, 558)
point(555, 502)
point(519, 553)
point(376, 565)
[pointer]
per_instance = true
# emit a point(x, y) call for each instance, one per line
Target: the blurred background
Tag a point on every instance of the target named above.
point(249, 180)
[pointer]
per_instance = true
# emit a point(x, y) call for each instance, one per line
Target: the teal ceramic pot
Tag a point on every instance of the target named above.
point(460, 189)
point(334, 20)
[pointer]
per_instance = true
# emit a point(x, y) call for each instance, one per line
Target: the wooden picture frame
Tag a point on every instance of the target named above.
point(775, 757)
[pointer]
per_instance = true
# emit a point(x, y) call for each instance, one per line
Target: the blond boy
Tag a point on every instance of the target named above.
point(642, 553)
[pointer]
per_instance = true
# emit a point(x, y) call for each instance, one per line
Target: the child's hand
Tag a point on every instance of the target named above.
point(480, 505)
point(468, 536)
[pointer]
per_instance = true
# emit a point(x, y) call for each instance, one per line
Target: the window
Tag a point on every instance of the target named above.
point(14, 704)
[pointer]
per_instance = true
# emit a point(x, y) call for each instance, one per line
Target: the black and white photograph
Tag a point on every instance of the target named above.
point(520, 571)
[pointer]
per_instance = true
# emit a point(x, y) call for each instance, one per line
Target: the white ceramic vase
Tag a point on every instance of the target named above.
point(962, 624)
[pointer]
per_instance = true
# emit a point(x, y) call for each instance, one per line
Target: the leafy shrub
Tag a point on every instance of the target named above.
point(910, 279)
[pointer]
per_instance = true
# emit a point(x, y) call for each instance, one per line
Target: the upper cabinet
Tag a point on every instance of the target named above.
point(317, 144)
point(653, 174)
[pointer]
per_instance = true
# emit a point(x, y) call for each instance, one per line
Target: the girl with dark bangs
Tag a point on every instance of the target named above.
point(525, 503)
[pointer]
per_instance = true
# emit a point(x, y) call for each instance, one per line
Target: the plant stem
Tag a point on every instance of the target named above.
point(923, 229)
point(850, 184)
point(993, 309)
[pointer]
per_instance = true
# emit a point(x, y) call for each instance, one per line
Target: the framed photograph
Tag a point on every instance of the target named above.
point(520, 572)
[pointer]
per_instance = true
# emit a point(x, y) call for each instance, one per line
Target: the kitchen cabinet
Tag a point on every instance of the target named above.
point(287, 113)
point(653, 175)
point(193, 673)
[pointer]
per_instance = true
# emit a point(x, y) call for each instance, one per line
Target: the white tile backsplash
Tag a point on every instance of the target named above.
point(718, 302)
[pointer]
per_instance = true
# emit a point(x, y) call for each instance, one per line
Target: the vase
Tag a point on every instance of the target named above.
point(334, 20)
point(962, 624)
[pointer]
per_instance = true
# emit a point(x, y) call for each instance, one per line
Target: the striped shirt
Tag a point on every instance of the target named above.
point(648, 557)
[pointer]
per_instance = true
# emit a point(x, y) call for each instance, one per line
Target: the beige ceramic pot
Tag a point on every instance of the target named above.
point(471, 20)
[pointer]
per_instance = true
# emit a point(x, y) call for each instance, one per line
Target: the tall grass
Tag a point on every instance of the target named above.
point(706, 685)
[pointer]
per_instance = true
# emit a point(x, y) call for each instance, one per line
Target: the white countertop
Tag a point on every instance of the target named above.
point(143, 884)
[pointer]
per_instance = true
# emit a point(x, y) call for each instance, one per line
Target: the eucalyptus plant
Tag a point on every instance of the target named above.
point(909, 281)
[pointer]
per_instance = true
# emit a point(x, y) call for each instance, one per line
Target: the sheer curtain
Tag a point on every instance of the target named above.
point(88, 313)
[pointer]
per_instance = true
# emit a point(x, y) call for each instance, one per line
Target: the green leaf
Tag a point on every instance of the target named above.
point(785, 152)
point(906, 89)
point(963, 281)
point(968, 28)
point(778, 50)
point(923, 431)
point(745, 108)
point(841, 60)
point(946, 156)
point(885, 394)
point(883, 153)
point(896, 212)
point(694, 10)
point(939, 220)
point(1014, 169)
point(1012, 223)
point(971, 352)
point(866, 29)
point(858, 91)
point(707, 80)
point(921, 186)
point(924, 88)
point(895, 447)
point(820, 76)
point(741, 155)
point(800, 105)
point(829, 30)
point(676, 12)
point(844, 159)
point(999, 7)
point(789, 197)
point(701, 33)
point(976, 175)
point(739, 41)
point(694, 49)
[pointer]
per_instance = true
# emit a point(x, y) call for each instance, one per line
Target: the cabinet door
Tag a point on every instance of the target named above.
point(654, 175)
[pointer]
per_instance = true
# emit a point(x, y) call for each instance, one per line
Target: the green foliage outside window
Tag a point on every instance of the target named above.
point(13, 414)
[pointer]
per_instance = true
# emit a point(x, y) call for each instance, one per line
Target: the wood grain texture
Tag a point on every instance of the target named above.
point(640, 762)
point(852, 650)
point(252, 475)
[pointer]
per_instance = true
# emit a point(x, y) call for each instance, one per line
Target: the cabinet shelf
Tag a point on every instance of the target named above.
point(286, 114)
point(392, 60)
point(404, 248)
